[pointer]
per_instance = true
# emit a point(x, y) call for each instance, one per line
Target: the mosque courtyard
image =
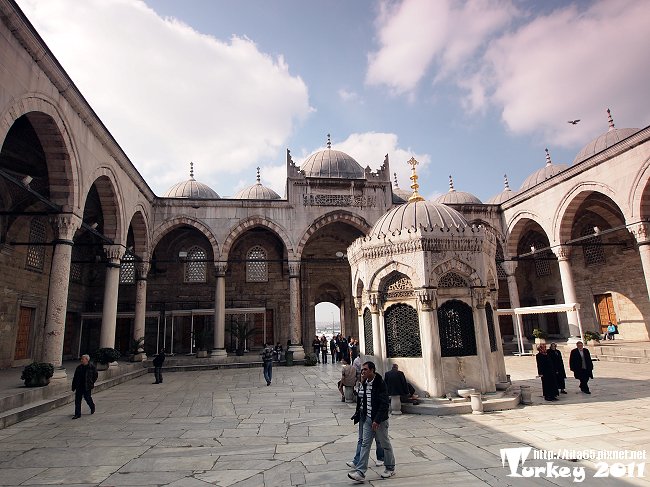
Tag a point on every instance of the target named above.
point(226, 428)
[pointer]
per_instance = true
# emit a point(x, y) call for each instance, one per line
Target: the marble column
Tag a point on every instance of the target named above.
point(513, 293)
point(430, 339)
point(378, 342)
point(295, 321)
point(111, 288)
point(563, 254)
point(641, 232)
point(488, 376)
point(500, 361)
point(64, 227)
point(358, 304)
point(141, 270)
point(219, 335)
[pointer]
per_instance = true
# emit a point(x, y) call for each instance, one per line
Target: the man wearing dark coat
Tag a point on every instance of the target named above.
point(581, 365)
point(546, 370)
point(83, 382)
point(157, 366)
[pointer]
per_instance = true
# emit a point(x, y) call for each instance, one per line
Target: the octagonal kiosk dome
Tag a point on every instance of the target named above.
point(257, 191)
point(541, 175)
point(420, 279)
point(453, 197)
point(191, 189)
point(604, 141)
point(330, 163)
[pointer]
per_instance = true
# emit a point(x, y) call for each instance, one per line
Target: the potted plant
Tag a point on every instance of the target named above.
point(591, 337)
point(540, 335)
point(104, 356)
point(241, 333)
point(137, 349)
point(200, 338)
point(37, 374)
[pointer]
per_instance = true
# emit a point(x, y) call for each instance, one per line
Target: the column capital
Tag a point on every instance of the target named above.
point(641, 233)
point(562, 252)
point(428, 298)
point(374, 300)
point(294, 269)
point(480, 295)
point(65, 225)
point(509, 267)
point(220, 268)
point(114, 254)
point(141, 270)
point(358, 303)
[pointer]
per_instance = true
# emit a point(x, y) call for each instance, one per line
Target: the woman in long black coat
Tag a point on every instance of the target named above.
point(546, 370)
point(560, 374)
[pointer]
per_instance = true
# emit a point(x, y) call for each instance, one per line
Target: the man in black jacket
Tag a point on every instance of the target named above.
point(581, 365)
point(158, 362)
point(83, 382)
point(372, 411)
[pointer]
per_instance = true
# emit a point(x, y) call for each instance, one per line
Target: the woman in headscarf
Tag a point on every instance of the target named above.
point(546, 371)
point(558, 363)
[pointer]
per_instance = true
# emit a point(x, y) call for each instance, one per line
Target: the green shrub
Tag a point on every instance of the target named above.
point(37, 369)
point(591, 335)
point(105, 355)
point(539, 333)
point(311, 359)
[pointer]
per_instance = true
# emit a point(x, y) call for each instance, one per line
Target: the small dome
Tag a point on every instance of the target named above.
point(453, 197)
point(331, 163)
point(541, 175)
point(191, 189)
point(504, 195)
point(257, 191)
point(400, 195)
point(418, 213)
point(604, 141)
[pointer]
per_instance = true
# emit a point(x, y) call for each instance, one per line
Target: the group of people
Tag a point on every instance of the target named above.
point(550, 368)
point(338, 347)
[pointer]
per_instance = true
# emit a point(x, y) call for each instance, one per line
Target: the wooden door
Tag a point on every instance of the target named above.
point(25, 322)
point(605, 309)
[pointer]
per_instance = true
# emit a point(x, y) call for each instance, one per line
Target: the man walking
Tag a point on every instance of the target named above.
point(83, 382)
point(372, 411)
point(267, 363)
point(581, 365)
point(157, 366)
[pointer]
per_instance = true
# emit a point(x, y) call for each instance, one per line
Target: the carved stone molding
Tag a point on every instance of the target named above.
point(641, 232)
point(114, 253)
point(509, 267)
point(428, 298)
point(374, 300)
point(562, 252)
point(65, 226)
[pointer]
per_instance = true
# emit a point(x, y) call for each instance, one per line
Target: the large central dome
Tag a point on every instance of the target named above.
point(416, 214)
point(330, 163)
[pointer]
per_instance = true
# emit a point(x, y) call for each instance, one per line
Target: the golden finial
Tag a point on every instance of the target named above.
point(414, 177)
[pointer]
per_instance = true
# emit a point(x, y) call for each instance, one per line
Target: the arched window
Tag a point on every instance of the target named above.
point(36, 249)
point(592, 248)
point(196, 265)
point(127, 269)
point(398, 286)
point(367, 332)
point(402, 331)
point(256, 266)
point(542, 260)
point(451, 279)
point(489, 316)
point(75, 265)
point(501, 273)
point(456, 325)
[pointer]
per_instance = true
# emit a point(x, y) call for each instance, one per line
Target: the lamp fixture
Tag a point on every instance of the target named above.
point(27, 179)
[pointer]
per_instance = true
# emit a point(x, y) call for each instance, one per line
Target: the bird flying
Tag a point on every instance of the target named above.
point(573, 122)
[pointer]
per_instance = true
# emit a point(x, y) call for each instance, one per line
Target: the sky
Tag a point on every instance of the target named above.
point(473, 89)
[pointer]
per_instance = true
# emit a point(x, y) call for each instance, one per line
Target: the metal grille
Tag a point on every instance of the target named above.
point(75, 265)
point(398, 286)
point(256, 266)
point(456, 325)
point(490, 325)
point(592, 248)
point(36, 249)
point(402, 331)
point(542, 260)
point(127, 269)
point(367, 332)
point(451, 279)
point(195, 266)
point(501, 273)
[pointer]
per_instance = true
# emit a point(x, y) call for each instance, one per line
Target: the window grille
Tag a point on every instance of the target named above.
point(542, 260)
point(592, 248)
point(456, 326)
point(398, 286)
point(36, 249)
point(492, 334)
point(75, 265)
point(127, 269)
point(196, 265)
point(367, 332)
point(451, 279)
point(402, 331)
point(256, 265)
point(501, 273)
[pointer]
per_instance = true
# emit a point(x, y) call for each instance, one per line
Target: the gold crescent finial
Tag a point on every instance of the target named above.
point(414, 177)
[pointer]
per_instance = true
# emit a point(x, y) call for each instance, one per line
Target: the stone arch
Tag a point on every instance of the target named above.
point(515, 228)
point(335, 216)
point(110, 198)
point(178, 221)
point(139, 222)
point(459, 267)
point(566, 211)
point(60, 152)
point(380, 275)
point(256, 221)
point(639, 196)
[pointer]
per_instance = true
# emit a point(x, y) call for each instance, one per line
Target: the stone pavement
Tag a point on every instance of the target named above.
point(226, 428)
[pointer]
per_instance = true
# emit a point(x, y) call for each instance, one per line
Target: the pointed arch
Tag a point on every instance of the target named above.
point(459, 267)
point(189, 221)
point(378, 278)
point(110, 197)
point(639, 196)
point(139, 222)
point(335, 216)
point(515, 228)
point(256, 221)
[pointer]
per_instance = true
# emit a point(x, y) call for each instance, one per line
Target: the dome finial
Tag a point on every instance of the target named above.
point(451, 183)
point(395, 176)
point(191, 170)
point(610, 120)
point(258, 175)
point(506, 183)
point(329, 141)
point(548, 158)
point(414, 177)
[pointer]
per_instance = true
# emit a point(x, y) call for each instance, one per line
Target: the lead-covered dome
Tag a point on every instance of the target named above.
point(330, 163)
point(416, 214)
point(504, 195)
point(453, 197)
point(541, 175)
point(257, 191)
point(191, 189)
point(604, 141)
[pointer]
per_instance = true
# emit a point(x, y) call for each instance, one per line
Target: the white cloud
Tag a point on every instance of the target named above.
point(349, 96)
point(170, 94)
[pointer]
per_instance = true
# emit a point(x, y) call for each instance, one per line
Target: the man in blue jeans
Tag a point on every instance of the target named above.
point(372, 413)
point(267, 363)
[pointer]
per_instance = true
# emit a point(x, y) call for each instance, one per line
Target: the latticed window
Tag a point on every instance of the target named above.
point(501, 273)
point(402, 331)
point(451, 279)
point(398, 286)
point(196, 265)
point(367, 332)
point(256, 265)
point(456, 325)
point(490, 325)
point(36, 249)
point(592, 248)
point(127, 269)
point(75, 265)
point(542, 260)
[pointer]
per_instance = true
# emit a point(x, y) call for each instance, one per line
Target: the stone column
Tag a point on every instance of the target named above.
point(358, 304)
point(64, 227)
point(219, 335)
point(641, 232)
point(513, 292)
point(141, 270)
point(378, 343)
point(430, 336)
point(500, 361)
point(111, 288)
point(295, 325)
point(563, 254)
point(488, 376)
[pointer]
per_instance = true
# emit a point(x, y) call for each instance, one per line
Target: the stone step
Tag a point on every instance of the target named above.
point(622, 359)
point(217, 365)
point(509, 399)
